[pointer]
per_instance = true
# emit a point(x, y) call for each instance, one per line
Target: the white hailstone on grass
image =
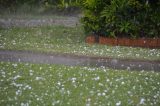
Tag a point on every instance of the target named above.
point(110, 83)
point(130, 101)
point(105, 91)
point(59, 83)
point(9, 99)
point(146, 78)
point(84, 80)
point(113, 92)
point(97, 78)
point(118, 103)
point(105, 70)
point(38, 99)
point(81, 94)
point(40, 68)
point(13, 42)
point(3, 74)
point(100, 84)
point(91, 92)
point(15, 65)
point(40, 78)
point(122, 83)
point(68, 92)
point(142, 101)
point(88, 104)
point(27, 87)
point(30, 72)
point(16, 85)
point(16, 77)
point(24, 104)
point(85, 68)
point(99, 94)
point(117, 80)
point(119, 55)
point(129, 92)
point(107, 80)
point(27, 64)
point(134, 87)
point(155, 96)
point(89, 99)
point(73, 80)
point(18, 92)
point(103, 94)
point(91, 69)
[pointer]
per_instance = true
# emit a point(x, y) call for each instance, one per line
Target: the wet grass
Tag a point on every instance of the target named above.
point(62, 39)
point(38, 84)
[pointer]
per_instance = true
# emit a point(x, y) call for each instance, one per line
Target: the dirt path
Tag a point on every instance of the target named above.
point(72, 60)
point(68, 21)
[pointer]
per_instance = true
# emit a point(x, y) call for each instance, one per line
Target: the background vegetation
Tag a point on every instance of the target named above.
point(39, 6)
point(122, 18)
point(112, 18)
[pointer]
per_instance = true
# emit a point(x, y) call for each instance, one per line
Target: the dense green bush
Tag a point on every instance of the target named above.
point(122, 18)
point(92, 13)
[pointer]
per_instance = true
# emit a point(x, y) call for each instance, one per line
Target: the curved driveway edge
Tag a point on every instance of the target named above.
point(73, 60)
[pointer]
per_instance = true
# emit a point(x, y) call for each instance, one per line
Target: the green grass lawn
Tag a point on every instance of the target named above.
point(62, 39)
point(38, 84)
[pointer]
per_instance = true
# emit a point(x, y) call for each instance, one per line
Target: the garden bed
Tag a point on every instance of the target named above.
point(140, 42)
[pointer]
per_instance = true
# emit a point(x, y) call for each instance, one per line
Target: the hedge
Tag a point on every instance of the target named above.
point(122, 18)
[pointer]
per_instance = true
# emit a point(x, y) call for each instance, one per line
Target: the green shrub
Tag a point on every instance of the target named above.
point(92, 13)
point(122, 18)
